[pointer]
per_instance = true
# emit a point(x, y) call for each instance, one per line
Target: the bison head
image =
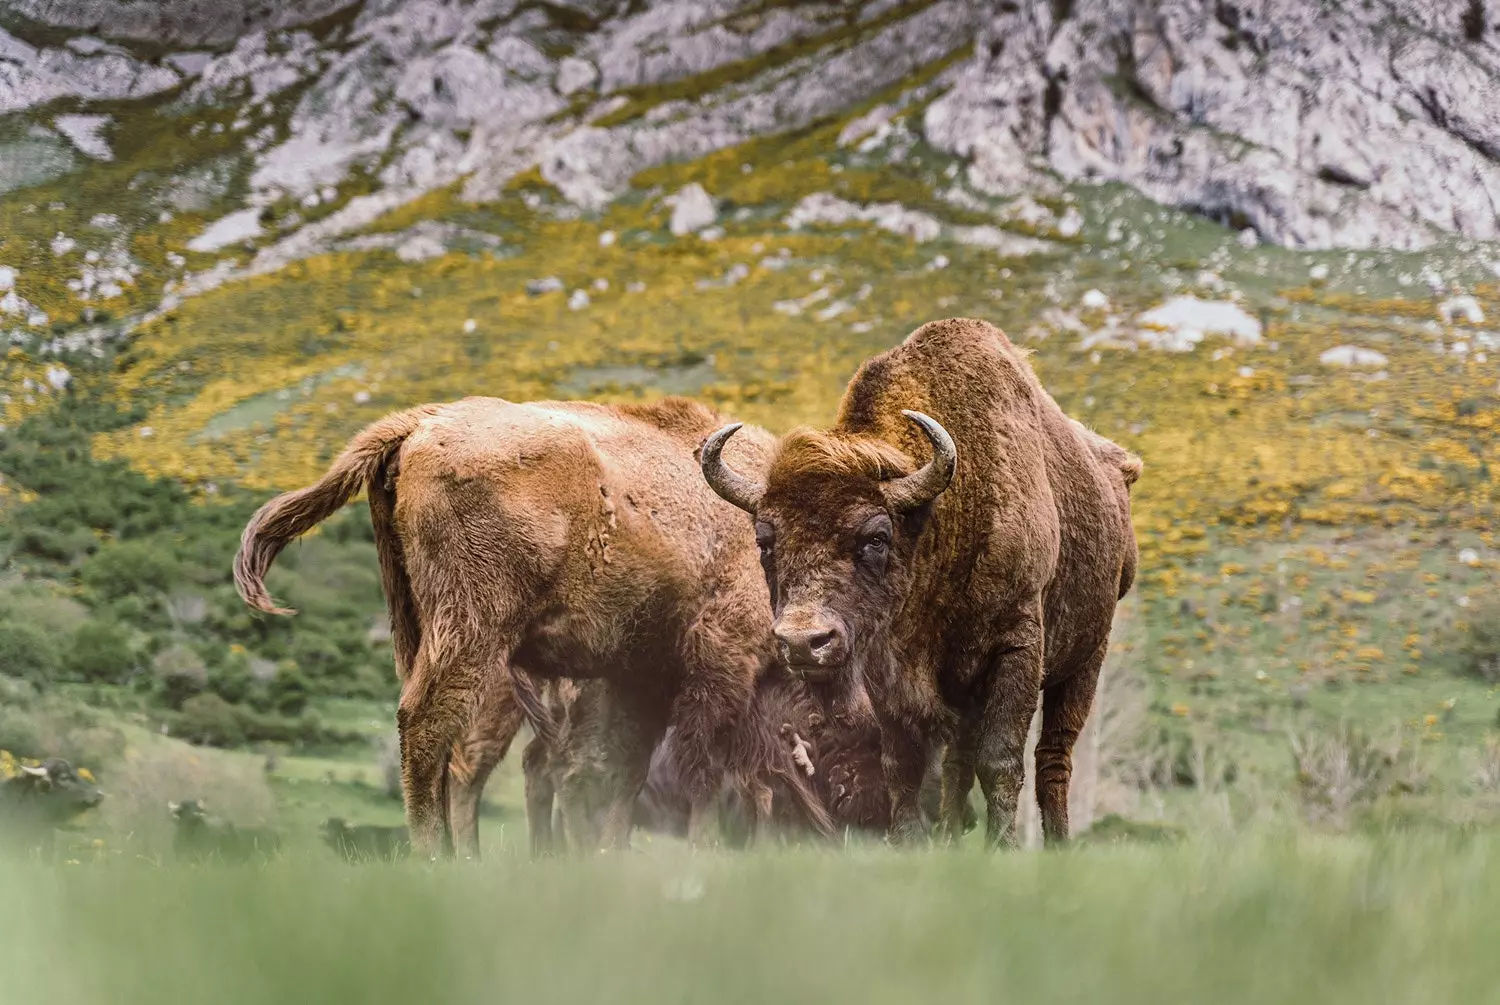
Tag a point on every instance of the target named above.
point(188, 812)
point(837, 519)
point(55, 791)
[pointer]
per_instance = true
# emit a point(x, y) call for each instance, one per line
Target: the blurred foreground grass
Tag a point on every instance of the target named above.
point(1395, 918)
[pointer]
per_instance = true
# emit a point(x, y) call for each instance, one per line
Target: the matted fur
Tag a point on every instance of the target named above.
point(544, 540)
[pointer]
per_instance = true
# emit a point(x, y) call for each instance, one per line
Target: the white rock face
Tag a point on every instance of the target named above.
point(14, 304)
point(1466, 308)
point(826, 209)
point(574, 75)
point(7, 279)
point(86, 133)
point(1002, 242)
point(184, 23)
point(1352, 356)
point(1185, 321)
point(30, 77)
point(692, 210)
point(420, 248)
point(1316, 124)
point(232, 229)
point(255, 68)
point(591, 165)
point(190, 64)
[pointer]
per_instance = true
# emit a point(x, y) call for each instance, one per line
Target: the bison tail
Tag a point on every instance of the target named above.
point(533, 706)
point(1131, 468)
point(289, 516)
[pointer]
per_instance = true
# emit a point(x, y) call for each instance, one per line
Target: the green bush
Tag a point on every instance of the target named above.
point(1479, 646)
point(101, 652)
point(129, 568)
point(208, 719)
point(60, 546)
point(232, 681)
point(181, 674)
point(28, 650)
point(289, 692)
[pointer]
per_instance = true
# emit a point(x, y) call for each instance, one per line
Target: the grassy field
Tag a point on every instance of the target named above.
point(1272, 919)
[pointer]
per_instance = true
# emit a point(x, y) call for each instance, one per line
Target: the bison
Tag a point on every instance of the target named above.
point(797, 764)
point(198, 838)
point(42, 798)
point(790, 765)
point(536, 541)
point(365, 842)
point(960, 592)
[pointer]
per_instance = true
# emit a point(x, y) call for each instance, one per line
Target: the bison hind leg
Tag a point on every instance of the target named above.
point(1000, 750)
point(1065, 708)
point(495, 724)
point(536, 763)
point(437, 705)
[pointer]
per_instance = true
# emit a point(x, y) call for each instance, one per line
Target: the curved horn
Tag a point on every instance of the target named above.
point(40, 772)
point(728, 483)
point(921, 487)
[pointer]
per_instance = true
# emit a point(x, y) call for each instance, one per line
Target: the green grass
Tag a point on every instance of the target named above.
point(1396, 919)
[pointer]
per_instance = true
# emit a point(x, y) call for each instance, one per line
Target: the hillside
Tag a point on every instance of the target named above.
point(223, 252)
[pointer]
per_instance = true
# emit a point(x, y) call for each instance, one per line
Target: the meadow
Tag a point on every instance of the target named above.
point(1278, 917)
point(1293, 775)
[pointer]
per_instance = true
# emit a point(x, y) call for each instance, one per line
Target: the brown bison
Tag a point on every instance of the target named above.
point(545, 540)
point(960, 592)
point(796, 765)
point(792, 765)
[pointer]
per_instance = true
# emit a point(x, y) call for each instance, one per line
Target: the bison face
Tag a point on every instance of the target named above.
point(837, 520)
point(834, 579)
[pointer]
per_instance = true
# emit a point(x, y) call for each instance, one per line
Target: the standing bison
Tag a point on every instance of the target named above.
point(545, 540)
point(959, 592)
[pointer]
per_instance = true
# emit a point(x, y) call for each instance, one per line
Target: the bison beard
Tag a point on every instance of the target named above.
point(526, 542)
point(960, 594)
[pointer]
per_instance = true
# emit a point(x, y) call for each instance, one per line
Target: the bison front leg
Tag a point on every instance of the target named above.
point(903, 757)
point(1065, 707)
point(958, 780)
point(1000, 753)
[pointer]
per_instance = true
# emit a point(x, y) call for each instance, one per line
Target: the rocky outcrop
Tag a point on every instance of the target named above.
point(32, 76)
point(186, 23)
point(1344, 123)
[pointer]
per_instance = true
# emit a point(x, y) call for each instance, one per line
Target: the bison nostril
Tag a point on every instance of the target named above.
point(820, 640)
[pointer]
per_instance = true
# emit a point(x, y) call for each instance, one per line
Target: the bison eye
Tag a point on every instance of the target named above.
point(872, 550)
point(765, 538)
